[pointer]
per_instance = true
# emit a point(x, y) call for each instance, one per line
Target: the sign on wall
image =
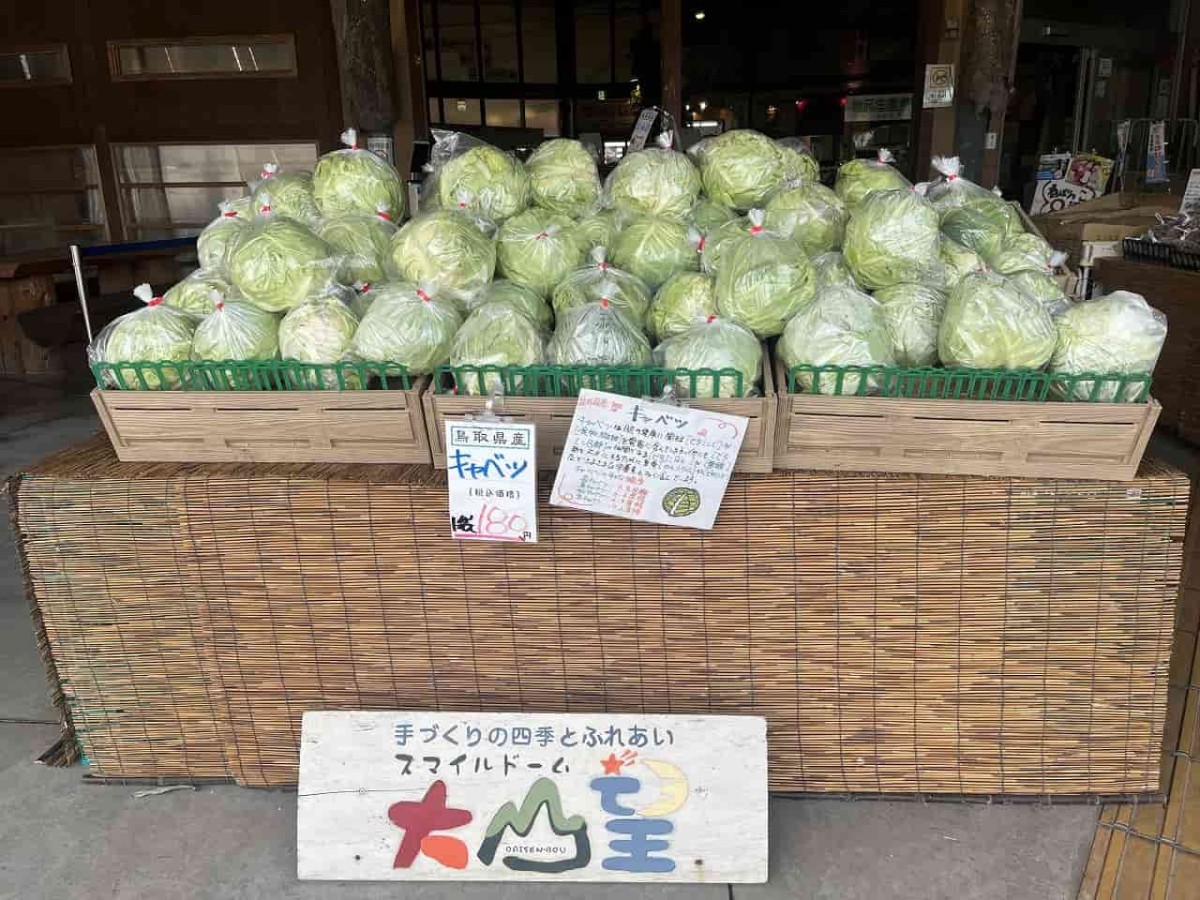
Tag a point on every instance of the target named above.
point(939, 86)
point(878, 107)
point(418, 796)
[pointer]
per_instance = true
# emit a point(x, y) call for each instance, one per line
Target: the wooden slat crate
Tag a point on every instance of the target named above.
point(266, 426)
point(977, 437)
point(553, 416)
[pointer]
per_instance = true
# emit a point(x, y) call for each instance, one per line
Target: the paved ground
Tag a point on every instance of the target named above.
point(62, 838)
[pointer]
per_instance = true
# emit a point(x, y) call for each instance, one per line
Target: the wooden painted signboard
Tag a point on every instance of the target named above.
point(419, 796)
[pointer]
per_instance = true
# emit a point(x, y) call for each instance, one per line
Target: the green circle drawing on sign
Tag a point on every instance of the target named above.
point(681, 501)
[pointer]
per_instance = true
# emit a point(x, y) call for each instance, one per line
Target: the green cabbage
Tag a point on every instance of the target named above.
point(892, 237)
point(952, 190)
point(912, 314)
point(243, 207)
point(363, 241)
point(798, 162)
point(740, 168)
point(707, 216)
point(279, 262)
point(656, 181)
point(981, 223)
point(289, 194)
point(360, 300)
point(654, 248)
point(717, 344)
point(445, 249)
point(991, 324)
point(1044, 288)
point(599, 229)
point(810, 213)
point(495, 334)
point(830, 270)
point(216, 242)
point(958, 261)
point(237, 330)
point(1022, 252)
point(603, 281)
point(484, 181)
point(354, 180)
point(842, 327)
point(200, 292)
point(719, 242)
point(1116, 333)
point(563, 177)
point(320, 330)
point(538, 249)
point(598, 334)
point(524, 299)
point(859, 178)
point(764, 280)
point(155, 333)
point(406, 324)
point(684, 299)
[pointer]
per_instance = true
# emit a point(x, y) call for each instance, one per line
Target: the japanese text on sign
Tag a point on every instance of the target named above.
point(491, 472)
point(649, 461)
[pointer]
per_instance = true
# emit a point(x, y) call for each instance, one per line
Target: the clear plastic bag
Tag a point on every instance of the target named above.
point(200, 292)
point(718, 242)
point(1025, 252)
point(320, 330)
point(958, 261)
point(363, 241)
point(1043, 286)
point(287, 194)
point(217, 241)
point(602, 281)
point(495, 334)
point(990, 323)
point(830, 270)
point(237, 330)
point(476, 178)
point(409, 325)
point(981, 222)
point(445, 249)
point(841, 327)
point(892, 238)
point(951, 190)
point(599, 229)
point(156, 333)
point(707, 216)
point(857, 179)
point(912, 314)
point(657, 181)
point(717, 344)
point(522, 298)
point(741, 168)
point(278, 262)
point(598, 334)
point(357, 181)
point(654, 248)
point(1117, 333)
point(809, 213)
point(764, 280)
point(685, 299)
point(563, 177)
point(799, 164)
point(538, 249)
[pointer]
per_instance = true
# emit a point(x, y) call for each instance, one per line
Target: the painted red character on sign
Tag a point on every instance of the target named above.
point(420, 819)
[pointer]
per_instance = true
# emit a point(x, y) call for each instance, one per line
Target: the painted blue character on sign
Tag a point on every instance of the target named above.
point(642, 831)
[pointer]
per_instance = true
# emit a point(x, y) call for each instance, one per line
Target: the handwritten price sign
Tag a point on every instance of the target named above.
point(492, 480)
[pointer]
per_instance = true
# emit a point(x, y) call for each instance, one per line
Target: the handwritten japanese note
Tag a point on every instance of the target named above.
point(648, 461)
point(492, 479)
point(420, 796)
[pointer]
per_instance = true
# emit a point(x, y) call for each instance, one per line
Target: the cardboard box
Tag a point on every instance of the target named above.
point(1105, 220)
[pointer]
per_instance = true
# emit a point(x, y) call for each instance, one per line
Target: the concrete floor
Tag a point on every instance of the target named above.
point(61, 837)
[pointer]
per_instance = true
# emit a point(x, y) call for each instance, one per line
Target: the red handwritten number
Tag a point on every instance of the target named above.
point(498, 522)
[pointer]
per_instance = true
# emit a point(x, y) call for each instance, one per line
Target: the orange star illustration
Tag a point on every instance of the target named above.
point(612, 765)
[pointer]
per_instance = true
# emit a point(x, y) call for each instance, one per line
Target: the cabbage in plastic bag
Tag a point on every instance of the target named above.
point(215, 244)
point(717, 344)
point(740, 168)
point(237, 330)
point(598, 334)
point(1117, 333)
point(990, 323)
point(719, 242)
point(243, 207)
point(764, 280)
point(707, 216)
point(478, 178)
point(287, 194)
point(563, 177)
point(279, 262)
point(1045, 289)
point(810, 213)
point(409, 325)
point(685, 299)
point(798, 162)
point(657, 181)
point(981, 223)
point(1024, 252)
point(495, 334)
point(842, 327)
point(538, 249)
point(603, 281)
point(912, 314)
point(958, 261)
point(830, 270)
point(154, 333)
point(363, 241)
point(320, 330)
point(524, 299)
point(892, 237)
point(445, 249)
point(599, 229)
point(360, 298)
point(200, 292)
point(654, 248)
point(951, 190)
point(354, 180)
point(857, 179)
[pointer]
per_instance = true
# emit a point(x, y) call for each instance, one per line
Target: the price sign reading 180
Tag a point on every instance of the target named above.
point(492, 481)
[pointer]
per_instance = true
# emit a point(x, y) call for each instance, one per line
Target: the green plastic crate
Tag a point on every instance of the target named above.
point(241, 375)
point(568, 381)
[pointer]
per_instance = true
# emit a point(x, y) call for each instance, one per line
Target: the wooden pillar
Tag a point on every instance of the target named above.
point(672, 58)
point(412, 104)
point(939, 40)
point(363, 31)
point(991, 34)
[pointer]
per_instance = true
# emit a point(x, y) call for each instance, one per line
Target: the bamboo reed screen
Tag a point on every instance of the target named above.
point(901, 633)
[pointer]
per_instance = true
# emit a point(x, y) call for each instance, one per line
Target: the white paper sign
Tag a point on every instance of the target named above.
point(653, 462)
point(419, 796)
point(939, 86)
point(1191, 194)
point(1056, 195)
point(491, 470)
point(641, 129)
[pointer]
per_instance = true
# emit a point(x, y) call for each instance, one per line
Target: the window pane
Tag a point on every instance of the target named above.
point(228, 163)
point(538, 42)
point(175, 209)
point(592, 59)
point(275, 55)
point(49, 197)
point(498, 24)
point(456, 24)
point(49, 64)
point(541, 114)
point(48, 168)
point(504, 113)
point(637, 40)
point(462, 112)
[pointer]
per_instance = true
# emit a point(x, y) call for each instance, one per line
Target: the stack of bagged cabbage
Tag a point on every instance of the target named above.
point(683, 261)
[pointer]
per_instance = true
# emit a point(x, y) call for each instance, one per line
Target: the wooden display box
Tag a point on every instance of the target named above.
point(385, 426)
point(961, 437)
point(553, 417)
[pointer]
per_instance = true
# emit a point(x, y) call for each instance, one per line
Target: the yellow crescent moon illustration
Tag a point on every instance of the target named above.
point(672, 788)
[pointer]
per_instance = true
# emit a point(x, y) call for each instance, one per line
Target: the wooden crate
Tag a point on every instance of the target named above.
point(961, 437)
point(553, 416)
point(266, 426)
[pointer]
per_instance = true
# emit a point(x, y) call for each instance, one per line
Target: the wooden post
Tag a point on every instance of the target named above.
point(939, 40)
point(412, 104)
point(363, 32)
point(672, 59)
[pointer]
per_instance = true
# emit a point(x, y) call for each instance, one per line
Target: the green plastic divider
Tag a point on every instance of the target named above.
point(568, 381)
point(257, 375)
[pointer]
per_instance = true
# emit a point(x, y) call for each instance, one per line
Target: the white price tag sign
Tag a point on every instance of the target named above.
point(641, 130)
point(653, 462)
point(491, 470)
